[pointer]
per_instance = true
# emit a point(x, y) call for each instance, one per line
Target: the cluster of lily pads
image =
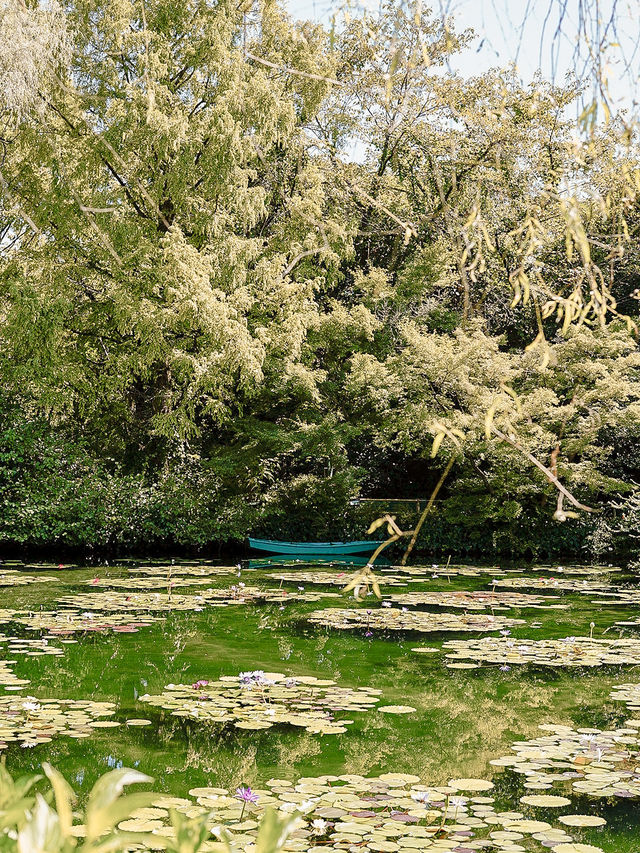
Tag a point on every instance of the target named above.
point(386, 813)
point(449, 571)
point(476, 600)
point(562, 585)
point(393, 619)
point(152, 582)
point(628, 693)
point(170, 601)
point(61, 623)
point(123, 601)
point(33, 647)
point(392, 812)
point(328, 578)
point(182, 569)
point(599, 764)
point(19, 579)
point(259, 700)
point(565, 652)
point(8, 679)
point(30, 721)
point(578, 570)
point(628, 597)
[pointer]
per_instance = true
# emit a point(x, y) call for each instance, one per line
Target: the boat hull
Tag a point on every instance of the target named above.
point(319, 549)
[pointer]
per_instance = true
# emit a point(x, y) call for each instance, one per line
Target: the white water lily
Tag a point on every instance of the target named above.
point(319, 826)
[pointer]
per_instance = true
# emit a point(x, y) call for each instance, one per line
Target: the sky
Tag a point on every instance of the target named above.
point(555, 36)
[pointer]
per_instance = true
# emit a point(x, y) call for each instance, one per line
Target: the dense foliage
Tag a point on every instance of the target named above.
point(251, 270)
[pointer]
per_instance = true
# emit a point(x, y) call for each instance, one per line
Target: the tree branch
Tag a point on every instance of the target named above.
point(546, 471)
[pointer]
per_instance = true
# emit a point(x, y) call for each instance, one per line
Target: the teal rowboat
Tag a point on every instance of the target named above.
point(320, 549)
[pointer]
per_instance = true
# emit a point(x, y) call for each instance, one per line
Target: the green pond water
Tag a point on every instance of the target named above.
point(463, 718)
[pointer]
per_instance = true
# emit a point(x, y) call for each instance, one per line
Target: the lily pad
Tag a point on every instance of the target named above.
point(566, 652)
point(259, 700)
point(237, 594)
point(391, 812)
point(582, 820)
point(340, 578)
point(392, 619)
point(396, 709)
point(471, 784)
point(476, 600)
point(598, 763)
point(30, 721)
point(545, 801)
point(65, 622)
point(554, 584)
point(19, 579)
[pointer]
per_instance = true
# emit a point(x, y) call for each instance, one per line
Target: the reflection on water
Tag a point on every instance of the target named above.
point(463, 718)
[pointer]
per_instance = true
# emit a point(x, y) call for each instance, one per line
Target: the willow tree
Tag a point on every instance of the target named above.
point(157, 197)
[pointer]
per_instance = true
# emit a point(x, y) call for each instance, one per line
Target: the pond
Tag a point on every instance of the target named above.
point(421, 688)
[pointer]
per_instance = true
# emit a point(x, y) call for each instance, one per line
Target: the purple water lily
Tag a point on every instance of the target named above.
point(246, 795)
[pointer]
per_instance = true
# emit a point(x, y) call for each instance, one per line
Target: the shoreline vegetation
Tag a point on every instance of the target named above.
point(253, 269)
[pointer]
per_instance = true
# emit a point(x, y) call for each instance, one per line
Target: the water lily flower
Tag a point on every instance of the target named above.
point(368, 633)
point(319, 826)
point(386, 604)
point(505, 668)
point(31, 706)
point(249, 679)
point(421, 796)
point(505, 632)
point(246, 795)
point(197, 685)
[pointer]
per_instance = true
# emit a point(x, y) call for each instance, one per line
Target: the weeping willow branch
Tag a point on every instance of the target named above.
point(427, 509)
point(546, 471)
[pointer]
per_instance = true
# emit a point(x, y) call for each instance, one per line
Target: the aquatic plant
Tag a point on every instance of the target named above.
point(259, 700)
point(565, 652)
point(553, 583)
point(30, 721)
point(478, 600)
point(393, 619)
point(598, 763)
point(67, 621)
